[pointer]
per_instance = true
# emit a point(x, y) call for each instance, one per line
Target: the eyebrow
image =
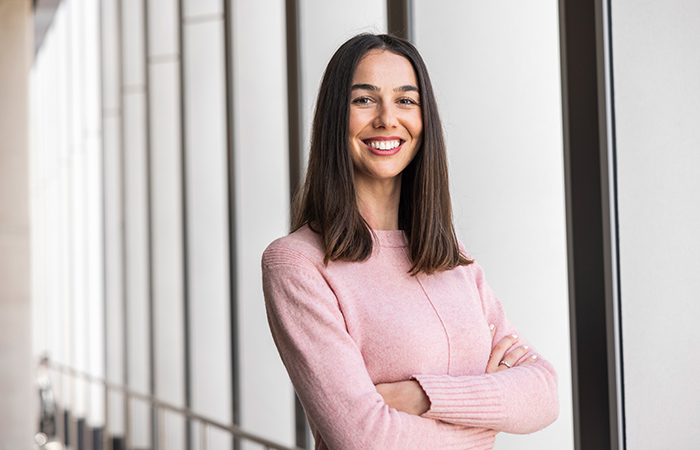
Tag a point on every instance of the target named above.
point(371, 87)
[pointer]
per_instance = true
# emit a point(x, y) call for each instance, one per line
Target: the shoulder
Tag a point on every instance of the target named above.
point(474, 269)
point(293, 271)
point(302, 247)
point(463, 251)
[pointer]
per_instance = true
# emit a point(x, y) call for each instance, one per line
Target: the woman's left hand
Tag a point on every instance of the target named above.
point(406, 396)
point(499, 360)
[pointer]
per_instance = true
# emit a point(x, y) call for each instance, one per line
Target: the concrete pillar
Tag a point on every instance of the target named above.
point(17, 424)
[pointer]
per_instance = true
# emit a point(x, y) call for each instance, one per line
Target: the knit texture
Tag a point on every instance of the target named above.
point(342, 328)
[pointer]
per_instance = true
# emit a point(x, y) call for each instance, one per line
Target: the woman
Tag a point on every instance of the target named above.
point(389, 332)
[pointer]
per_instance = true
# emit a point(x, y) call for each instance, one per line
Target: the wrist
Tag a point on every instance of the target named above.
point(420, 403)
point(406, 396)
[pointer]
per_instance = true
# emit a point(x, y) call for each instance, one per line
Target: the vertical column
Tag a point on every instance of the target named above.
point(76, 174)
point(136, 215)
point(234, 331)
point(167, 238)
point(589, 225)
point(110, 38)
point(400, 18)
point(61, 56)
point(95, 267)
point(294, 107)
point(261, 177)
point(16, 387)
point(207, 206)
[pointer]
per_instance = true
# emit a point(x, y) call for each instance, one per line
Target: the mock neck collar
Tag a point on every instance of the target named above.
point(390, 238)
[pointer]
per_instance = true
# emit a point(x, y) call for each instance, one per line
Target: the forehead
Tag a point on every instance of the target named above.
point(381, 67)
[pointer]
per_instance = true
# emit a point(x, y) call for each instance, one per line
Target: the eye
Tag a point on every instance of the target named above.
point(408, 101)
point(362, 101)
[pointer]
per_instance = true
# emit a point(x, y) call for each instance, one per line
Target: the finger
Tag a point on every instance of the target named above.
point(499, 351)
point(528, 360)
point(511, 359)
point(492, 327)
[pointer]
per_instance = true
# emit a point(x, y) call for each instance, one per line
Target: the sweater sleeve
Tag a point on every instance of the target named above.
point(520, 400)
point(328, 371)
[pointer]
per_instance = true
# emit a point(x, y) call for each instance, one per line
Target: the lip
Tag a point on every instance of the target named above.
point(384, 138)
point(379, 152)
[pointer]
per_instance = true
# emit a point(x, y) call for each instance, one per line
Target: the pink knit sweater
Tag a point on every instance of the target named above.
point(342, 328)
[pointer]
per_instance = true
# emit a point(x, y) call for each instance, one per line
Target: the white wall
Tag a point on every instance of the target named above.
point(495, 69)
point(656, 66)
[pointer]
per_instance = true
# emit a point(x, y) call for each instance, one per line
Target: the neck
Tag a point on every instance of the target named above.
point(378, 202)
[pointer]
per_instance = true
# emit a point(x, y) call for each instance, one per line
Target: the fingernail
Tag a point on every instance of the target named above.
point(534, 356)
point(514, 336)
point(491, 327)
point(526, 347)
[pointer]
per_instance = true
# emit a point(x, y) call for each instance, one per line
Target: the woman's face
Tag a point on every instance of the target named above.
point(385, 117)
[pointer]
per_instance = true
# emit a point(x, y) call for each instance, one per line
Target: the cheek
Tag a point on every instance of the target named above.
point(355, 124)
point(417, 139)
point(418, 126)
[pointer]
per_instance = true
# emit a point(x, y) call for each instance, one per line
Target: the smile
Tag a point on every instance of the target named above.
point(383, 145)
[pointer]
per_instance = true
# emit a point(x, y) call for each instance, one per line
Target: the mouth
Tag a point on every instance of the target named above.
point(383, 144)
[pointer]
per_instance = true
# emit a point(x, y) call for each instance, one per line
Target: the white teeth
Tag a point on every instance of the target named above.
point(384, 145)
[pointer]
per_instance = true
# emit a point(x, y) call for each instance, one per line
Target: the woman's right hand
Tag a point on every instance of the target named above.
point(499, 360)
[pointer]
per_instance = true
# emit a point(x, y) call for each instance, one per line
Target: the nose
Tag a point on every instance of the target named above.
point(386, 117)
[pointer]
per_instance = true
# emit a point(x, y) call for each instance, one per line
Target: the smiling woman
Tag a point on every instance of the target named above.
point(388, 329)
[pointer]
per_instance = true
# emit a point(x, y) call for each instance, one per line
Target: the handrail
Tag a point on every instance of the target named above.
point(161, 406)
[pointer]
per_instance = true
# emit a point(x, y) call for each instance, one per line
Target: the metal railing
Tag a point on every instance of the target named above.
point(160, 408)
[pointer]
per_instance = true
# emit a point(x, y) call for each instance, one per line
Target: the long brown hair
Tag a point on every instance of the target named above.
point(327, 201)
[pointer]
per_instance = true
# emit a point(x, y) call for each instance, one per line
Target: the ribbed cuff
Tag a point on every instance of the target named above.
point(474, 401)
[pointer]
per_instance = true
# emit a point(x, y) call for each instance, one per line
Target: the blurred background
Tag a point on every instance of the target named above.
point(150, 150)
